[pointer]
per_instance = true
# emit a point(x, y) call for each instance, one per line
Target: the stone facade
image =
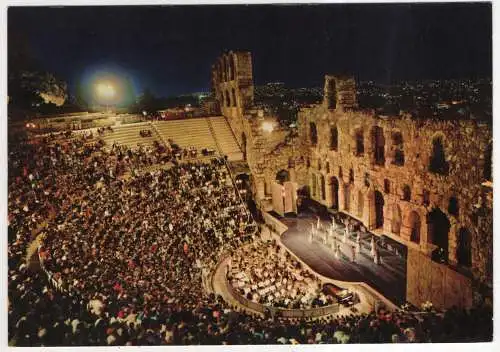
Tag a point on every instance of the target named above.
point(420, 182)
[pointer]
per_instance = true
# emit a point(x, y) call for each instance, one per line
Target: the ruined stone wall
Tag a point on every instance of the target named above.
point(359, 176)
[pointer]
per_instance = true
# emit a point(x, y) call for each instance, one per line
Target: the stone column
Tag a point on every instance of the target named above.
point(453, 243)
point(328, 192)
point(341, 195)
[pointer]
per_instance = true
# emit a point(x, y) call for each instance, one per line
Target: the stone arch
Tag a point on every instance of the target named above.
point(313, 133)
point(464, 247)
point(334, 138)
point(396, 220)
point(361, 203)
point(347, 197)
point(398, 154)
point(437, 162)
point(335, 192)
point(415, 224)
point(234, 101)
point(244, 145)
point(228, 99)
point(379, 209)
point(332, 96)
point(406, 193)
point(378, 145)
point(359, 138)
point(282, 176)
point(438, 229)
point(488, 160)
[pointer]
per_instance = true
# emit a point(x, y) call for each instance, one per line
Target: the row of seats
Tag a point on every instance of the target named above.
point(130, 135)
point(185, 133)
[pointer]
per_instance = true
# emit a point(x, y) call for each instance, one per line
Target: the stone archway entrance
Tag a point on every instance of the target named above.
point(438, 229)
point(379, 210)
point(335, 193)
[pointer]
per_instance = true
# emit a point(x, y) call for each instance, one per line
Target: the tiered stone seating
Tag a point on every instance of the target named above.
point(129, 135)
point(225, 138)
point(187, 133)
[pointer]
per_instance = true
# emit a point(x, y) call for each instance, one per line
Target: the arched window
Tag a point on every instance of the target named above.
point(406, 193)
point(351, 176)
point(426, 197)
point(228, 99)
point(378, 145)
point(231, 68)
point(282, 176)
point(453, 207)
point(332, 95)
point(438, 230)
point(397, 146)
point(334, 138)
point(438, 163)
point(313, 133)
point(387, 186)
point(415, 224)
point(360, 142)
point(327, 167)
point(464, 252)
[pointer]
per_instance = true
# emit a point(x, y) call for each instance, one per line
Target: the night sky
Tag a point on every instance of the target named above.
point(170, 49)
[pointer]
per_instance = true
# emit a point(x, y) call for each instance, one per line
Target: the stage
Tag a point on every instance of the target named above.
point(388, 277)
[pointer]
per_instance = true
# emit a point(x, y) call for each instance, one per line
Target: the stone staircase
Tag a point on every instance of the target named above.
point(187, 133)
point(225, 138)
point(129, 135)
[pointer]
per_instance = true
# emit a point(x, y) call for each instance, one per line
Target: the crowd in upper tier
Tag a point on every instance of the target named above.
point(129, 248)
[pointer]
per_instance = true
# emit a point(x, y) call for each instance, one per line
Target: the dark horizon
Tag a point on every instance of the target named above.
point(170, 49)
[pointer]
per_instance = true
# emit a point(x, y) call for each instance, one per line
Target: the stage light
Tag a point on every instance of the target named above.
point(105, 91)
point(267, 126)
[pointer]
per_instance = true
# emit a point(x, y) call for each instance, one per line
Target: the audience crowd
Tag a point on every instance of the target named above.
point(128, 249)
